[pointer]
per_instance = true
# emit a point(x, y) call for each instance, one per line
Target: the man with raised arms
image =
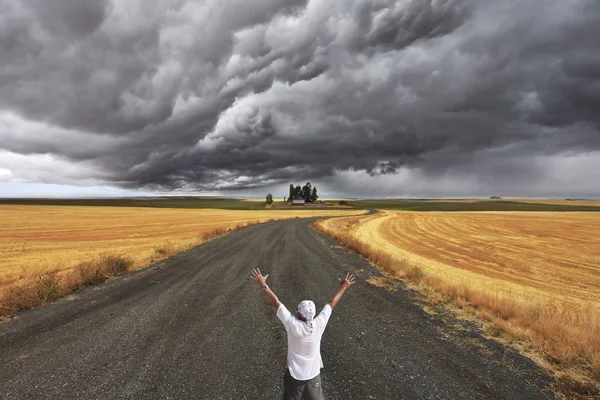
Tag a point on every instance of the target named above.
point(302, 378)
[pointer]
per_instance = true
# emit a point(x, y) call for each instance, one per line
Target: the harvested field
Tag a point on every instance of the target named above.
point(535, 276)
point(548, 255)
point(586, 203)
point(49, 242)
point(459, 205)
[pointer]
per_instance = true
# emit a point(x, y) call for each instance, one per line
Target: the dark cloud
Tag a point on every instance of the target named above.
point(70, 18)
point(178, 94)
point(396, 25)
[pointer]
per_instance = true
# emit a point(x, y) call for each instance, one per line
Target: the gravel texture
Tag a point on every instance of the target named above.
point(195, 326)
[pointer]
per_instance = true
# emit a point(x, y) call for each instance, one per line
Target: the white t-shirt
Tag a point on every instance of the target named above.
point(304, 347)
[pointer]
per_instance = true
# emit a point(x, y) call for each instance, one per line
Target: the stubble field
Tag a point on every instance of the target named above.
point(533, 276)
point(47, 251)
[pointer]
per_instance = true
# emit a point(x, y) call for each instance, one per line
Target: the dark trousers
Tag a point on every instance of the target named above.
point(294, 389)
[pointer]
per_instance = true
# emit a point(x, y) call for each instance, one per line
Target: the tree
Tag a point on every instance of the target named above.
point(306, 191)
point(313, 195)
point(269, 199)
point(298, 191)
point(292, 191)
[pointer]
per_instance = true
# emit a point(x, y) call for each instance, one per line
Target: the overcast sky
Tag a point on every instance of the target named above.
point(406, 98)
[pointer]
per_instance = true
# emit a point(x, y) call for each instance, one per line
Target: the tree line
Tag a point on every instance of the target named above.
point(307, 192)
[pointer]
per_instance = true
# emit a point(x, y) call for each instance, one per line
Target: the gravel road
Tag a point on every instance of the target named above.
point(196, 326)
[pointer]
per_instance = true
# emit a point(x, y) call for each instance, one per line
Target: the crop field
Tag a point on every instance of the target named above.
point(193, 202)
point(147, 202)
point(56, 242)
point(534, 276)
point(197, 202)
point(460, 205)
point(550, 255)
point(585, 203)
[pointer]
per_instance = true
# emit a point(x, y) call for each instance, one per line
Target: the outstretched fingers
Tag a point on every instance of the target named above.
point(258, 277)
point(350, 278)
point(255, 274)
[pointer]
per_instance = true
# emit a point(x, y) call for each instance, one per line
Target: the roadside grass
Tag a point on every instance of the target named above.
point(51, 284)
point(563, 338)
point(383, 281)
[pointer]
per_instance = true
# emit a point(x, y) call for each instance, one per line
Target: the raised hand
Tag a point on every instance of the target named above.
point(262, 281)
point(347, 281)
point(257, 276)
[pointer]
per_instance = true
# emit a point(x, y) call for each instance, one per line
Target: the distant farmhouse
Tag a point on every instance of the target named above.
point(301, 195)
point(296, 200)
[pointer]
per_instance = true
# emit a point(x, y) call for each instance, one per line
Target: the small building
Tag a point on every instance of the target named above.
point(296, 201)
point(495, 198)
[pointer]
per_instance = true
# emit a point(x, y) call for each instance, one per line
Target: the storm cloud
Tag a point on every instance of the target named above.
point(460, 96)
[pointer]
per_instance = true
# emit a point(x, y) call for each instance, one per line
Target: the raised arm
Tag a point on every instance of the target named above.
point(344, 284)
point(262, 281)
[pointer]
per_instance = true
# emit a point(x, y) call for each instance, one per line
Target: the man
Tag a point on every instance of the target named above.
point(302, 378)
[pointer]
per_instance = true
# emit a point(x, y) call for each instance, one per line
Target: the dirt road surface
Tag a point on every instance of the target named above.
point(196, 326)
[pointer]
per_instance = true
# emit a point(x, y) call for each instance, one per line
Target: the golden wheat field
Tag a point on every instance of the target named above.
point(534, 276)
point(49, 251)
point(551, 255)
point(33, 238)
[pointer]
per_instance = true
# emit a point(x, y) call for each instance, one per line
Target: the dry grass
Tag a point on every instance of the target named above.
point(46, 286)
point(48, 251)
point(533, 278)
point(385, 282)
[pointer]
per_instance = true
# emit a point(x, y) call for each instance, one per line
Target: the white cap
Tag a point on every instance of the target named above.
point(307, 309)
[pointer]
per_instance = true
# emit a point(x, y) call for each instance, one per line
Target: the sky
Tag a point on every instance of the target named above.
point(363, 98)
